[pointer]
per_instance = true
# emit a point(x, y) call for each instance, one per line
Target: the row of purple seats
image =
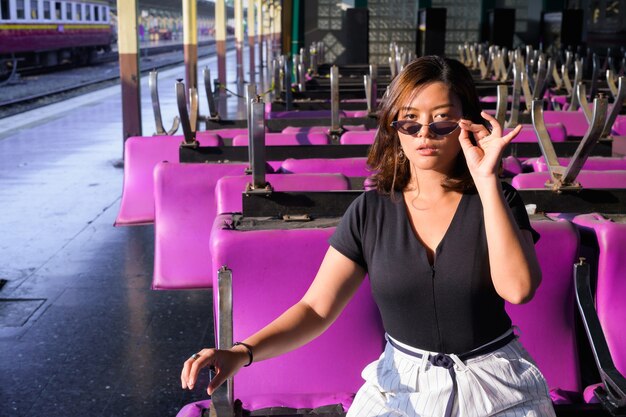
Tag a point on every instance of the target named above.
point(326, 372)
point(186, 205)
point(141, 154)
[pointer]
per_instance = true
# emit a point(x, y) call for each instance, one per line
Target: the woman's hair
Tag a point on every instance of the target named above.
point(393, 174)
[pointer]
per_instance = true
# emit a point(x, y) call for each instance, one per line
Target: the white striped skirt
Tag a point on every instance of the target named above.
point(505, 382)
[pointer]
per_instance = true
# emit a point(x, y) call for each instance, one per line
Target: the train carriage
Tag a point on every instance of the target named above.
point(52, 32)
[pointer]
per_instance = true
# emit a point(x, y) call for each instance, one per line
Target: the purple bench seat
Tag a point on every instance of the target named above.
point(611, 286)
point(313, 114)
point(358, 138)
point(141, 154)
point(547, 322)
point(588, 179)
point(229, 189)
point(593, 163)
point(557, 132)
point(185, 207)
point(575, 122)
point(302, 114)
point(325, 371)
point(322, 129)
point(277, 139)
point(350, 167)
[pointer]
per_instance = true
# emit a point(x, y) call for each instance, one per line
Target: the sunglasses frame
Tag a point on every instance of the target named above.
point(398, 125)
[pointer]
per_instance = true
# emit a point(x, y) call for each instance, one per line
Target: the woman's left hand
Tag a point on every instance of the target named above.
point(483, 159)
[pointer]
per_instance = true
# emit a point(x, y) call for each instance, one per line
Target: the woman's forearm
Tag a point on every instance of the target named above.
point(294, 328)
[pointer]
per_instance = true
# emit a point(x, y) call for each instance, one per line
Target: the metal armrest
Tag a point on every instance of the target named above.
point(188, 124)
point(213, 114)
point(560, 177)
point(156, 107)
point(613, 396)
point(617, 106)
point(222, 398)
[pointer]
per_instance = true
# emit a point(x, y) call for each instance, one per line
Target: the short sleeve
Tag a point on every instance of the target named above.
point(518, 209)
point(347, 238)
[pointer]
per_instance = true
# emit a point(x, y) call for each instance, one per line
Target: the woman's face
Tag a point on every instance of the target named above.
point(426, 149)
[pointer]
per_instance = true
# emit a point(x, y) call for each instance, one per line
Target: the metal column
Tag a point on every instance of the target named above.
point(251, 41)
point(295, 31)
point(128, 47)
point(239, 41)
point(190, 42)
point(220, 42)
point(269, 33)
point(259, 22)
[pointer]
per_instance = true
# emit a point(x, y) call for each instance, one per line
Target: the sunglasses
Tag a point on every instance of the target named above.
point(409, 127)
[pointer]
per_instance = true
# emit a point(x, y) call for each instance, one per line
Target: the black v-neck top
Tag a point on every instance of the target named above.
point(451, 306)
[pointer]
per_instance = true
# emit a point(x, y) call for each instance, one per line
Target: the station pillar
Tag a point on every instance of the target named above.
point(220, 42)
point(130, 77)
point(190, 43)
point(239, 40)
point(259, 33)
point(251, 41)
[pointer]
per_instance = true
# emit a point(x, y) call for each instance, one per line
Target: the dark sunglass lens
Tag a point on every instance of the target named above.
point(443, 128)
point(410, 128)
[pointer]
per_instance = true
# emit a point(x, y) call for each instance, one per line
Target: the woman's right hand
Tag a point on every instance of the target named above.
point(226, 363)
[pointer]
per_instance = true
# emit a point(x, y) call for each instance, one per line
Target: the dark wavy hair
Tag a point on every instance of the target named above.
point(393, 175)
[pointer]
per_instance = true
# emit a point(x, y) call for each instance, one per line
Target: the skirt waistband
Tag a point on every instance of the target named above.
point(488, 347)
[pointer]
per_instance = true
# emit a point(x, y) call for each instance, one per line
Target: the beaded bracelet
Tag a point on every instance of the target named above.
point(249, 351)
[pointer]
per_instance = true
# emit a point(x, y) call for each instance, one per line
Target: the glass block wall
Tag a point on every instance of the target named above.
point(391, 21)
point(462, 23)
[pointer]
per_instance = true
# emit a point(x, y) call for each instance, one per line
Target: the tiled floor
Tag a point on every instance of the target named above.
point(91, 337)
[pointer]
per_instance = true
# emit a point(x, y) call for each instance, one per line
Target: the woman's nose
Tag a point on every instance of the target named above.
point(425, 131)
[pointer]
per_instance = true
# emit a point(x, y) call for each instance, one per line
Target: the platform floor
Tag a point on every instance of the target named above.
point(81, 332)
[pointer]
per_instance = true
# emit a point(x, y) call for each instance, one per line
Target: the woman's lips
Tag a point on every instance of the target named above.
point(427, 151)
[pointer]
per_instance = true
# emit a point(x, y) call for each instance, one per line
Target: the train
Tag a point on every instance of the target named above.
point(48, 33)
point(43, 33)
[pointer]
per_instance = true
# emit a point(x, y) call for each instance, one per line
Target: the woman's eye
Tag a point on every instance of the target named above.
point(441, 116)
point(408, 116)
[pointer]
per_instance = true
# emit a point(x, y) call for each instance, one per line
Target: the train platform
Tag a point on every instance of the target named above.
point(81, 332)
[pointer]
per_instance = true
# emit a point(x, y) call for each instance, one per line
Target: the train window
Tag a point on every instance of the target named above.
point(4, 10)
point(57, 10)
point(96, 13)
point(87, 12)
point(79, 12)
point(20, 13)
point(34, 9)
point(46, 10)
point(105, 14)
point(68, 10)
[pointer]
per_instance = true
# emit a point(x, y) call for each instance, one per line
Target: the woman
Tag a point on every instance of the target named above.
point(444, 244)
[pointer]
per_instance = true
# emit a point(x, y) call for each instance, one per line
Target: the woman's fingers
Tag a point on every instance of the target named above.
point(216, 381)
point(193, 365)
point(495, 126)
point(511, 135)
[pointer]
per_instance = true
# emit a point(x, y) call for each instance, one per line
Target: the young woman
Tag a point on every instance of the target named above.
point(444, 244)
